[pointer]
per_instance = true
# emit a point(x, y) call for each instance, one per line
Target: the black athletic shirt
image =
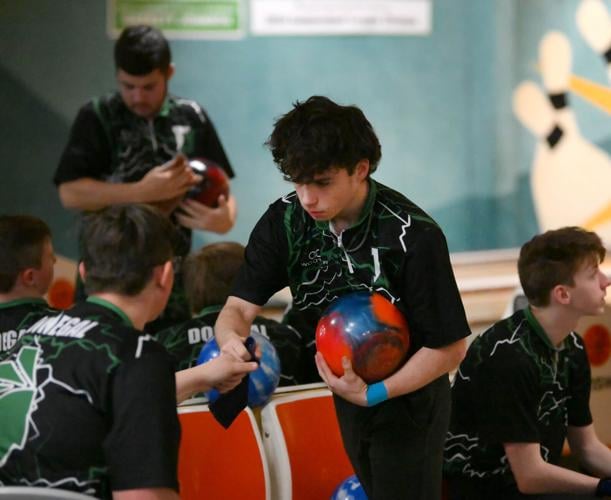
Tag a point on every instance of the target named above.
point(109, 143)
point(394, 248)
point(185, 341)
point(16, 316)
point(88, 404)
point(514, 386)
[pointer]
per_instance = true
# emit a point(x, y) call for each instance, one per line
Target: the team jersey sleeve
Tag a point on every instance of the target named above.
point(507, 388)
point(142, 445)
point(209, 144)
point(264, 271)
point(87, 153)
point(434, 308)
point(579, 413)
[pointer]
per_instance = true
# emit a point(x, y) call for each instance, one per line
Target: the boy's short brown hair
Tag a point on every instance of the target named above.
point(22, 238)
point(210, 272)
point(553, 258)
point(122, 244)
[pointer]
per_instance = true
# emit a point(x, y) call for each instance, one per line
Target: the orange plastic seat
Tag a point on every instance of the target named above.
point(304, 446)
point(215, 463)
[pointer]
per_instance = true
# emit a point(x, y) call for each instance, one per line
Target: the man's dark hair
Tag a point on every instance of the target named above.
point(121, 245)
point(210, 272)
point(319, 134)
point(553, 258)
point(142, 49)
point(22, 238)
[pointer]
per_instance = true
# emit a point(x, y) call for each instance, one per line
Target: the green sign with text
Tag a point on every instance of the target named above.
point(180, 18)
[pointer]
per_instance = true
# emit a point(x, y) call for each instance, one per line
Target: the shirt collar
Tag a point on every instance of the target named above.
point(165, 107)
point(365, 212)
point(164, 111)
point(539, 331)
point(113, 308)
point(209, 310)
point(25, 300)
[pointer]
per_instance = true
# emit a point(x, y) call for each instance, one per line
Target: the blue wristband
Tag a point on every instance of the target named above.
point(376, 393)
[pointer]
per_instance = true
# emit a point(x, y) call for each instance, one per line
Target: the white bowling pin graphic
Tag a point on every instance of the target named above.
point(594, 24)
point(570, 177)
point(555, 62)
point(535, 112)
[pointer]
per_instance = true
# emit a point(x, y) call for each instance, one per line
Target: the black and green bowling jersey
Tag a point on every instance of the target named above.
point(515, 386)
point(88, 404)
point(108, 142)
point(185, 341)
point(16, 316)
point(394, 248)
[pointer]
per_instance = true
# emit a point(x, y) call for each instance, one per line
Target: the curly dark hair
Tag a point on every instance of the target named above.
point(319, 134)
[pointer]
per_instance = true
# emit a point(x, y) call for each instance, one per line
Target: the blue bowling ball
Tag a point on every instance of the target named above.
point(262, 382)
point(349, 489)
point(210, 350)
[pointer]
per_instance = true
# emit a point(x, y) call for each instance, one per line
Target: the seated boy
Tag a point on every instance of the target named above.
point(208, 277)
point(525, 384)
point(26, 272)
point(92, 400)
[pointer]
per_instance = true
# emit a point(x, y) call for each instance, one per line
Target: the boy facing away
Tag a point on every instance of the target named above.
point(91, 399)
point(26, 272)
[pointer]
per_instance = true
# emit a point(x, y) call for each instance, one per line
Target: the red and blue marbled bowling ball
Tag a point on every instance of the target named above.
point(366, 328)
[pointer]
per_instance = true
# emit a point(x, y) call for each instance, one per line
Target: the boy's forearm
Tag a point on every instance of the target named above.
point(234, 320)
point(597, 460)
point(93, 194)
point(535, 476)
point(425, 366)
point(189, 382)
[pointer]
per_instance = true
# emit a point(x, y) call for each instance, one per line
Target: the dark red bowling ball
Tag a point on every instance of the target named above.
point(367, 329)
point(214, 183)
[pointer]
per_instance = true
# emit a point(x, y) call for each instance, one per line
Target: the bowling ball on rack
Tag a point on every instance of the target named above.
point(367, 329)
point(215, 182)
point(262, 382)
point(349, 489)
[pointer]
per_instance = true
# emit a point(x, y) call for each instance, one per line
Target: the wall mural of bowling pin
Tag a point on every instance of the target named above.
point(594, 24)
point(570, 176)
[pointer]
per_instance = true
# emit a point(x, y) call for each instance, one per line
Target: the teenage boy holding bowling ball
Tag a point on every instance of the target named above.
point(342, 231)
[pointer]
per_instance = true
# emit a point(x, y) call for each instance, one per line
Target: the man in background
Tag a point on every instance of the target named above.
point(133, 146)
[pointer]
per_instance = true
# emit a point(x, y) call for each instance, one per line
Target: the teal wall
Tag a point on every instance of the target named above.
point(441, 105)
